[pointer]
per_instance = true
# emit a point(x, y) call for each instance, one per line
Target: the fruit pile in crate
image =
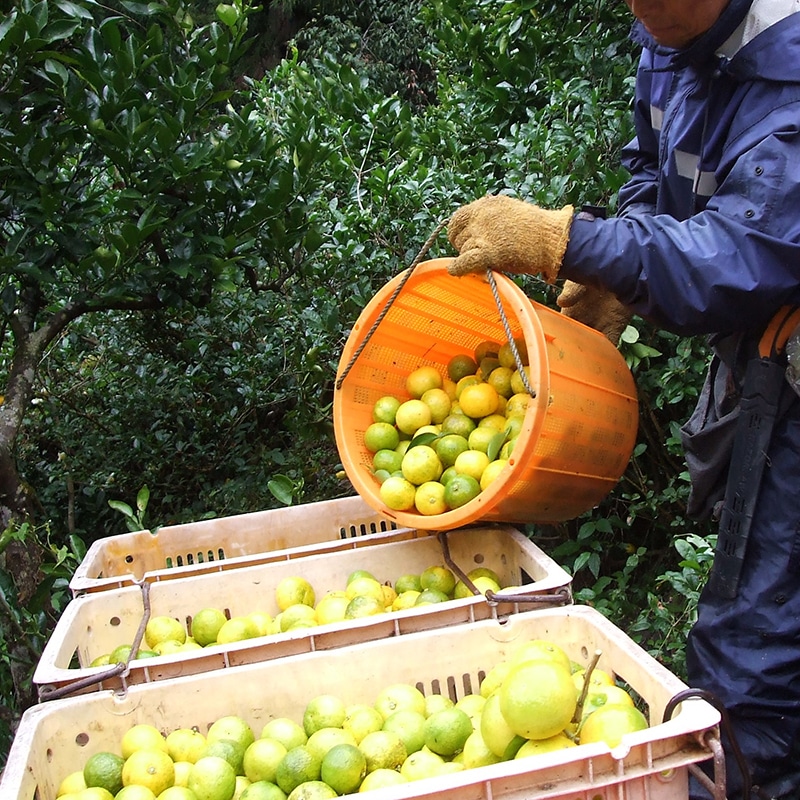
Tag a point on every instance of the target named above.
point(317, 598)
point(558, 703)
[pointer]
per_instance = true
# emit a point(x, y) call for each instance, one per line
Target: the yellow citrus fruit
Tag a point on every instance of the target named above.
point(237, 629)
point(169, 647)
point(541, 649)
point(538, 698)
point(160, 628)
point(600, 696)
point(398, 493)
point(321, 741)
point(498, 735)
point(481, 438)
point(472, 463)
point(518, 404)
point(429, 596)
point(483, 572)
point(438, 577)
point(461, 365)
point(465, 383)
point(409, 726)
point(412, 415)
point(449, 446)
point(610, 723)
point(323, 711)
point(447, 730)
point(599, 678)
point(535, 747)
point(421, 464)
point(101, 661)
point(120, 654)
point(134, 792)
point(286, 731)
point(487, 348)
point(494, 678)
point(296, 613)
point(175, 793)
point(517, 384)
point(228, 749)
point(182, 770)
point(500, 380)
point(299, 765)
point(93, 793)
point(263, 621)
point(385, 408)
point(364, 586)
point(260, 790)
point(185, 744)
point(381, 779)
point(261, 759)
point(231, 727)
point(74, 782)
point(361, 719)
point(472, 705)
point(399, 696)
point(383, 750)
point(458, 424)
point(212, 778)
point(483, 585)
point(331, 607)
point(405, 600)
point(151, 768)
point(104, 770)
point(343, 768)
point(429, 498)
point(439, 403)
point(406, 582)
point(294, 590)
point(205, 625)
point(437, 702)
point(364, 606)
point(422, 379)
point(389, 595)
point(514, 425)
point(478, 400)
point(497, 422)
point(381, 436)
point(476, 752)
point(461, 488)
point(142, 737)
point(422, 764)
point(505, 355)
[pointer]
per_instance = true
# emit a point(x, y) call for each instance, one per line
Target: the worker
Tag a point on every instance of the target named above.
point(706, 241)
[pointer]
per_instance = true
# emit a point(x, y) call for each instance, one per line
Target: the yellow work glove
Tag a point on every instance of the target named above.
point(596, 308)
point(501, 233)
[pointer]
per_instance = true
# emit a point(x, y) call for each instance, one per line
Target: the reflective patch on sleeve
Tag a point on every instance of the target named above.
point(656, 117)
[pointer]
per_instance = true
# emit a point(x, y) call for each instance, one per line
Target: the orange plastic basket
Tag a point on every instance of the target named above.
point(578, 432)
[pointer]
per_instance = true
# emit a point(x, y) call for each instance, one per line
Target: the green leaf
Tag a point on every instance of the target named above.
point(282, 489)
point(496, 444)
point(423, 438)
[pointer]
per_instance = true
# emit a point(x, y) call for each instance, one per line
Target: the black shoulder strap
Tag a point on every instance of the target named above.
point(763, 384)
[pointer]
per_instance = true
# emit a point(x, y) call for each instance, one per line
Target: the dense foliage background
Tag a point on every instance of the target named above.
point(258, 201)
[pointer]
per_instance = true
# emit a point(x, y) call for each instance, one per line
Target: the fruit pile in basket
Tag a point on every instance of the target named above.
point(442, 447)
point(534, 703)
point(299, 607)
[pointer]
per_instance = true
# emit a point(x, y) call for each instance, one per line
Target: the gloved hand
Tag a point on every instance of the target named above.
point(597, 308)
point(501, 233)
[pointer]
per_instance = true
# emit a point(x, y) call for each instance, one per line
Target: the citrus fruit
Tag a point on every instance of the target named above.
point(429, 596)
point(120, 654)
point(344, 768)
point(332, 608)
point(101, 661)
point(321, 741)
point(228, 749)
point(262, 790)
point(312, 790)
point(104, 770)
point(381, 779)
point(398, 493)
point(534, 747)
point(518, 404)
point(438, 401)
point(488, 347)
point(447, 730)
point(438, 577)
point(142, 737)
point(605, 695)
point(182, 770)
point(483, 585)
point(429, 498)
point(389, 460)
point(412, 415)
point(91, 793)
point(381, 436)
point(464, 383)
point(476, 752)
point(472, 705)
point(461, 365)
point(422, 379)
point(598, 679)
point(483, 572)
point(74, 782)
point(458, 424)
point(231, 727)
point(408, 582)
point(399, 696)
point(460, 489)
point(422, 764)
point(363, 606)
point(481, 438)
point(175, 793)
point(437, 702)
point(359, 573)
point(185, 744)
point(134, 792)
point(151, 768)
point(297, 613)
point(538, 698)
point(212, 778)
point(494, 677)
point(364, 587)
point(160, 628)
point(294, 590)
point(385, 408)
point(361, 719)
point(449, 446)
point(610, 723)
point(261, 759)
point(286, 731)
point(505, 355)
point(541, 649)
point(472, 463)
point(264, 622)
point(383, 750)
point(421, 464)
point(205, 625)
point(169, 647)
point(517, 384)
point(323, 711)
point(491, 473)
point(498, 735)
point(389, 595)
point(409, 726)
point(500, 380)
point(297, 766)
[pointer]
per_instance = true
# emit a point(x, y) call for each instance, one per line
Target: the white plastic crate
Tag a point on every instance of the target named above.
point(55, 738)
point(95, 623)
point(215, 545)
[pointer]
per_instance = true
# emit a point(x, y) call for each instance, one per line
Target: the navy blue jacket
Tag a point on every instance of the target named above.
point(708, 234)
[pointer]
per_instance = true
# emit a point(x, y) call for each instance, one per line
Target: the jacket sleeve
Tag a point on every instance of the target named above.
point(728, 267)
